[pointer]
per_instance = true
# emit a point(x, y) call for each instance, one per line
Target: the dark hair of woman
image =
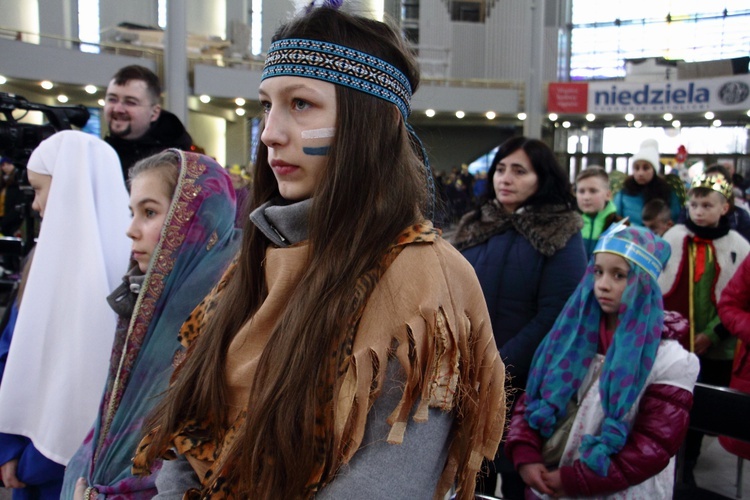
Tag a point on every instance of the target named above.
point(554, 184)
point(373, 188)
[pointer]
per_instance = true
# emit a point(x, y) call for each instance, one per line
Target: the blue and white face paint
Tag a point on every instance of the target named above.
point(317, 141)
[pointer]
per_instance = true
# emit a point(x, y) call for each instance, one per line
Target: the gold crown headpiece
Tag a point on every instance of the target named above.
point(713, 181)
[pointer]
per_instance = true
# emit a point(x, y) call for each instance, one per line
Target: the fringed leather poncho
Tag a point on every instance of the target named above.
point(425, 311)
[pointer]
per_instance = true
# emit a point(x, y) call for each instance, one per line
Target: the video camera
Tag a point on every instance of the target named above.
point(18, 140)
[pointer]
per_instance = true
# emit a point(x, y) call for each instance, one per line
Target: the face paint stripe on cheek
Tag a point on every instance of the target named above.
point(318, 133)
point(321, 151)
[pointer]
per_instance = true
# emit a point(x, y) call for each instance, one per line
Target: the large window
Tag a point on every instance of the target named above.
point(606, 34)
point(471, 11)
point(88, 25)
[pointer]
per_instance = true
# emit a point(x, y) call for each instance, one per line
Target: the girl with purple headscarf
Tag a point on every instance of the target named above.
point(608, 398)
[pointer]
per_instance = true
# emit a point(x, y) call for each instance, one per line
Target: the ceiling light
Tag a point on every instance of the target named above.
point(490, 115)
point(62, 98)
point(677, 124)
point(709, 115)
point(668, 117)
point(240, 111)
point(629, 117)
point(553, 117)
point(100, 102)
point(716, 123)
point(430, 113)
point(460, 114)
point(239, 101)
point(521, 116)
point(205, 99)
point(590, 117)
point(3, 79)
point(637, 124)
point(566, 124)
point(90, 89)
point(46, 84)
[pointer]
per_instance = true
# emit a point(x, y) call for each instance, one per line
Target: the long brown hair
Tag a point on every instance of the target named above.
point(372, 189)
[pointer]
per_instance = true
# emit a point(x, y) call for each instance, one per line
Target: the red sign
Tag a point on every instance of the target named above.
point(568, 97)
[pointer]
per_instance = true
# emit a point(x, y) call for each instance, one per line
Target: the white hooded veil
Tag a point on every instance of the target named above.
point(58, 359)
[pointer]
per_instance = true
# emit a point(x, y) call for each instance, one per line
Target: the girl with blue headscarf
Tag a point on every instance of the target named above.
point(183, 238)
point(611, 376)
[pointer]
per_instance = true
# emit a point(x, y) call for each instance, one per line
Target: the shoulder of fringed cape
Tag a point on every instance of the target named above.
point(426, 312)
point(547, 227)
point(729, 252)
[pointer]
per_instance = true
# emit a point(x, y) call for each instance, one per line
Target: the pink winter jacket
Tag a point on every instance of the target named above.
point(734, 311)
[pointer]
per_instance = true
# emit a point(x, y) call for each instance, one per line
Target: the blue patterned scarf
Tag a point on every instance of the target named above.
point(197, 242)
point(564, 356)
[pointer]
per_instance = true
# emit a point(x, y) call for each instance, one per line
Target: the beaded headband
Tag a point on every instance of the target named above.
point(339, 65)
point(610, 243)
point(713, 181)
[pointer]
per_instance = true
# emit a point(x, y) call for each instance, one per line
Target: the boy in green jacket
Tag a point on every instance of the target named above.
point(594, 201)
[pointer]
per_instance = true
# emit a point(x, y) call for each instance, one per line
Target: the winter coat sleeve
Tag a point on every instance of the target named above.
point(559, 278)
point(734, 304)
point(657, 434)
point(11, 447)
point(523, 445)
point(36, 469)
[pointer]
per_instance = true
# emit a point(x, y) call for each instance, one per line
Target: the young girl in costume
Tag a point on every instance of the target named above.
point(645, 184)
point(57, 361)
point(182, 239)
point(608, 399)
point(349, 350)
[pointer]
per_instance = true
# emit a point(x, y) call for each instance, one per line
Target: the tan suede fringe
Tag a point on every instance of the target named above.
point(427, 312)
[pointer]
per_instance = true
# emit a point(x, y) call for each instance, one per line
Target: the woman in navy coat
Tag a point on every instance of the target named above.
point(524, 241)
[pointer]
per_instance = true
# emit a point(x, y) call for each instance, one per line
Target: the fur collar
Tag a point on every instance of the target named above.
point(548, 228)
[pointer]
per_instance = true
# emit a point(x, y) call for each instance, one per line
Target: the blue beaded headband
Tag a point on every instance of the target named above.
point(339, 65)
point(342, 65)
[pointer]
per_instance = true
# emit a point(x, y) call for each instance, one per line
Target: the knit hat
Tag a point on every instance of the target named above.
point(561, 362)
point(5, 159)
point(649, 151)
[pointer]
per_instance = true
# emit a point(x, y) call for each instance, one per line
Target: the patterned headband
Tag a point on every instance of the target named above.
point(341, 66)
point(609, 242)
point(714, 181)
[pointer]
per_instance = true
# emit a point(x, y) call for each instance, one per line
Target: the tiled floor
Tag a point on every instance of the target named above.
point(717, 470)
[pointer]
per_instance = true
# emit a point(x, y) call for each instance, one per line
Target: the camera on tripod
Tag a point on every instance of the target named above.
point(17, 141)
